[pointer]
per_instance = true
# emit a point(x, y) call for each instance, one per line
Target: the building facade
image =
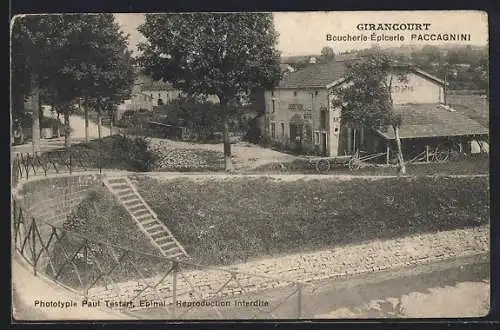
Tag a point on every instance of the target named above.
point(301, 110)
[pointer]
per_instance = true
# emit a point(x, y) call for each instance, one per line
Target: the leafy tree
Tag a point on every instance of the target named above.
point(67, 57)
point(365, 98)
point(33, 41)
point(105, 71)
point(327, 53)
point(226, 55)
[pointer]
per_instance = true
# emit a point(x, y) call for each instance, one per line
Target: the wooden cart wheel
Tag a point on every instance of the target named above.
point(322, 165)
point(354, 163)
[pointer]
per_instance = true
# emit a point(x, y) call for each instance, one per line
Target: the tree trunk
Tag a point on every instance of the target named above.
point(99, 124)
point(58, 130)
point(228, 164)
point(35, 105)
point(86, 115)
point(401, 163)
point(67, 130)
point(111, 120)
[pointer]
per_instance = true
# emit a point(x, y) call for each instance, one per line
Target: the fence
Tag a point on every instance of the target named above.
point(148, 285)
point(153, 286)
point(26, 165)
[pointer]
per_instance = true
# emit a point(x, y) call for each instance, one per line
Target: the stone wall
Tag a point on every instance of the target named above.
point(52, 199)
point(200, 284)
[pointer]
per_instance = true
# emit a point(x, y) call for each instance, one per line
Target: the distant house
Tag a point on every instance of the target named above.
point(147, 94)
point(300, 110)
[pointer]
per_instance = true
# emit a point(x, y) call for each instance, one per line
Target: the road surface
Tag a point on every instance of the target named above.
point(77, 135)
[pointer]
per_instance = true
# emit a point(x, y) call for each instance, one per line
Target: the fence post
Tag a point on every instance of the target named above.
point(299, 300)
point(85, 256)
point(175, 266)
point(33, 245)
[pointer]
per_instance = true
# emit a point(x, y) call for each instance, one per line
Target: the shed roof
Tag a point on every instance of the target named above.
point(433, 120)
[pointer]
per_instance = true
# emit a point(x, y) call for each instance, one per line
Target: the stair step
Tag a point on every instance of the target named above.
point(176, 255)
point(128, 197)
point(123, 192)
point(168, 244)
point(137, 207)
point(155, 229)
point(148, 223)
point(117, 180)
point(140, 212)
point(131, 202)
point(171, 249)
point(145, 217)
point(163, 240)
point(159, 235)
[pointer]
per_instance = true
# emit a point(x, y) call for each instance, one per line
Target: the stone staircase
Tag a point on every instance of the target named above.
point(146, 219)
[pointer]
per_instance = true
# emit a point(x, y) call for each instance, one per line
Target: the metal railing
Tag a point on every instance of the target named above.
point(152, 285)
point(26, 165)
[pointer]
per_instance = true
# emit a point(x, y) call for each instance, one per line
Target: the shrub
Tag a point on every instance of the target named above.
point(136, 152)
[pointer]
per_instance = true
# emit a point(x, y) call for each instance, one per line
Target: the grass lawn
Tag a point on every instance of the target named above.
point(101, 218)
point(220, 222)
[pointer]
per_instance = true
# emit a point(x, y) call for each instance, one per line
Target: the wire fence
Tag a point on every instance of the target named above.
point(137, 282)
point(145, 284)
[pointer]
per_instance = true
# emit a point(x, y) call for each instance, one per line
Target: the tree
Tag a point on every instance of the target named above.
point(65, 57)
point(33, 41)
point(104, 70)
point(365, 98)
point(226, 55)
point(327, 53)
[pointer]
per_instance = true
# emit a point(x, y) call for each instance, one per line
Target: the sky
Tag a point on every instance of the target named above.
point(305, 33)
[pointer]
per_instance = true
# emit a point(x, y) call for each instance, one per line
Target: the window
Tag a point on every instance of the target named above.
point(316, 93)
point(272, 93)
point(316, 137)
point(282, 129)
point(273, 106)
point(294, 93)
point(273, 130)
point(159, 95)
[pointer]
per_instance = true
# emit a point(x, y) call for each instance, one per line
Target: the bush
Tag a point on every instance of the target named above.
point(136, 152)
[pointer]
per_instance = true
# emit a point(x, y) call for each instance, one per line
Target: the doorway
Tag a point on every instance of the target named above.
point(324, 144)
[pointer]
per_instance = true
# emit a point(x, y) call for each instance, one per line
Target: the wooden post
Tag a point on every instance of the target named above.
point(387, 153)
point(426, 153)
point(85, 258)
point(299, 300)
point(174, 288)
point(33, 245)
point(355, 132)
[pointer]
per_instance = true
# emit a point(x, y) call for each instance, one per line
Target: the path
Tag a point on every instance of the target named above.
point(28, 289)
point(77, 135)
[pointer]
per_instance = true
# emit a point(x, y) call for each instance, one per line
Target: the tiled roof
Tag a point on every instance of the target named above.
point(433, 120)
point(317, 75)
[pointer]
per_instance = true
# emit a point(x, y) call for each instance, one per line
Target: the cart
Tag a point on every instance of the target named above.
point(353, 162)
